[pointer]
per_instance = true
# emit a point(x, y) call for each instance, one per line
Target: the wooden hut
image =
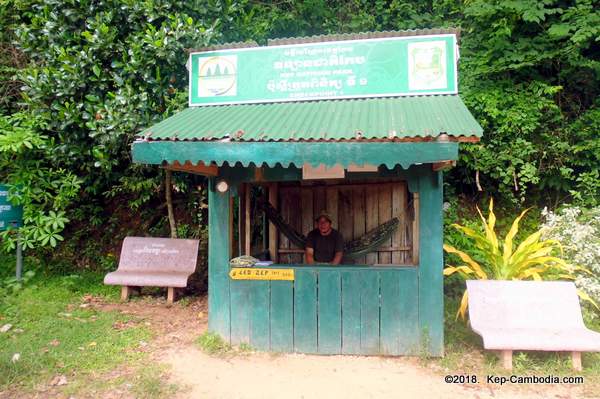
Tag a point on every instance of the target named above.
point(366, 135)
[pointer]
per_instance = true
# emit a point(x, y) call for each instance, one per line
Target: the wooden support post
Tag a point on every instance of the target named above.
point(231, 228)
point(576, 358)
point(170, 295)
point(169, 199)
point(415, 230)
point(247, 221)
point(124, 293)
point(241, 224)
point(506, 358)
point(273, 244)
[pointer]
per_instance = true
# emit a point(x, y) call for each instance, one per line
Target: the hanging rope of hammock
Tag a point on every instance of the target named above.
point(365, 244)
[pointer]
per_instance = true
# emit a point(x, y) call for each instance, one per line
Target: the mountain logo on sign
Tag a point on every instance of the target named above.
point(217, 76)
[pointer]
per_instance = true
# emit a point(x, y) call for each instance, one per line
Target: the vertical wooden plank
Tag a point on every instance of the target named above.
point(295, 220)
point(284, 209)
point(390, 312)
point(385, 214)
point(241, 225)
point(359, 213)
point(431, 290)
point(282, 316)
point(247, 221)
point(259, 314)
point(372, 218)
point(330, 312)
point(240, 311)
point(408, 312)
point(369, 312)
point(306, 203)
point(351, 311)
point(273, 242)
point(218, 262)
point(331, 201)
point(232, 245)
point(415, 229)
point(305, 311)
point(319, 199)
point(345, 215)
point(265, 230)
point(399, 211)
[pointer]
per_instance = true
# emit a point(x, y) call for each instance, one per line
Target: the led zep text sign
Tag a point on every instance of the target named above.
point(249, 273)
point(383, 67)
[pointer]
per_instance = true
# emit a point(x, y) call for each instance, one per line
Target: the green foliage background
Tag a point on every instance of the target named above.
point(93, 73)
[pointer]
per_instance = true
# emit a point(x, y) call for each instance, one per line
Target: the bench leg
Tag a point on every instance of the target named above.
point(506, 357)
point(576, 358)
point(125, 293)
point(170, 295)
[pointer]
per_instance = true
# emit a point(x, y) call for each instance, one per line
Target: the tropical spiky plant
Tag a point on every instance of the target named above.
point(531, 259)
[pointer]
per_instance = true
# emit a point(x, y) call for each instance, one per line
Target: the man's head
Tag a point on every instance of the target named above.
point(324, 223)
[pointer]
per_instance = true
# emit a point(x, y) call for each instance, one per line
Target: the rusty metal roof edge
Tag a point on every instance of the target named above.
point(224, 46)
point(361, 35)
point(332, 38)
point(416, 138)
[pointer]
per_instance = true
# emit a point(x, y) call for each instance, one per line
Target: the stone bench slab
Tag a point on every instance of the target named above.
point(529, 315)
point(156, 279)
point(540, 340)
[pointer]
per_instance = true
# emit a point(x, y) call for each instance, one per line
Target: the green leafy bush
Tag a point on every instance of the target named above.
point(578, 230)
point(44, 190)
point(94, 73)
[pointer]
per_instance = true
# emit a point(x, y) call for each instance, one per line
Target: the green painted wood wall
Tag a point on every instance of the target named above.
point(335, 310)
point(343, 310)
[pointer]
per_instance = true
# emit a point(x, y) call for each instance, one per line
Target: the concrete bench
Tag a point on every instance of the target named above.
point(155, 262)
point(529, 315)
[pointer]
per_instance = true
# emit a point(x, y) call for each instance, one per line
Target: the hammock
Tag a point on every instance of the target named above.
point(365, 244)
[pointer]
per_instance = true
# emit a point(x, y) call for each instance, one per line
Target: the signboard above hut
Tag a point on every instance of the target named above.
point(379, 67)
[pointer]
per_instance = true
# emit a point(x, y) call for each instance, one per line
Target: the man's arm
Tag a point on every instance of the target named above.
point(339, 249)
point(309, 255)
point(337, 259)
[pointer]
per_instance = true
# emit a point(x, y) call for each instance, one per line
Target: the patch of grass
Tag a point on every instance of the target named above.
point(184, 302)
point(245, 348)
point(53, 335)
point(151, 383)
point(213, 344)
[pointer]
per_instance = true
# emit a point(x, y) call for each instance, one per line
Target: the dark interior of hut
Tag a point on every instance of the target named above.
point(357, 207)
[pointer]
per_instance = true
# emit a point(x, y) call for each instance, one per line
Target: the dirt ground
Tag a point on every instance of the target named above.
point(256, 375)
point(263, 375)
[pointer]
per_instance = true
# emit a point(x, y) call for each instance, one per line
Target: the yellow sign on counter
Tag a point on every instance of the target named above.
point(250, 273)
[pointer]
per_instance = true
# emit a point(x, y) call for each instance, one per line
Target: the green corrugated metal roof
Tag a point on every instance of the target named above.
point(373, 118)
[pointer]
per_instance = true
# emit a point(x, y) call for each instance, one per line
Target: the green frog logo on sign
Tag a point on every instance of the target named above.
point(217, 76)
point(427, 65)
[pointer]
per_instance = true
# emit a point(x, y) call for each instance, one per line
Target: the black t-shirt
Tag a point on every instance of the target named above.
point(325, 247)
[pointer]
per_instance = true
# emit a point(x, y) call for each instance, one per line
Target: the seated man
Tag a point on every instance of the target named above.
point(324, 244)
